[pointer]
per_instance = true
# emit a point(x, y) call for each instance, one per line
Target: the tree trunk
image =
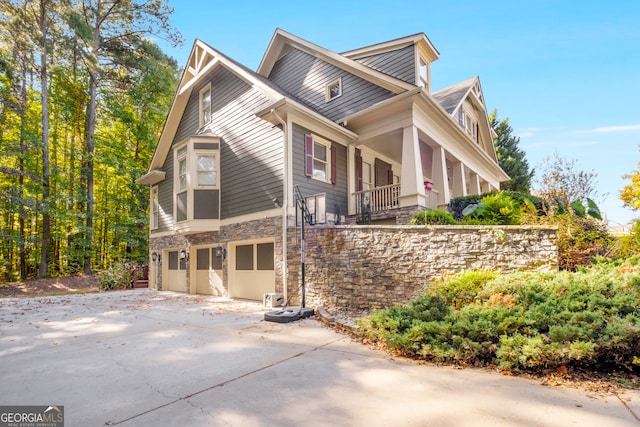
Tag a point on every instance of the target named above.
point(23, 149)
point(46, 192)
point(90, 148)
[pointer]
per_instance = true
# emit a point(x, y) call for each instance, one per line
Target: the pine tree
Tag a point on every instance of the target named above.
point(510, 157)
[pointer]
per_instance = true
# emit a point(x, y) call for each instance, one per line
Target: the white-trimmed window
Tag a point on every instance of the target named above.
point(423, 73)
point(182, 183)
point(468, 123)
point(367, 176)
point(317, 207)
point(334, 89)
point(183, 170)
point(207, 169)
point(196, 176)
point(320, 159)
point(155, 209)
point(205, 105)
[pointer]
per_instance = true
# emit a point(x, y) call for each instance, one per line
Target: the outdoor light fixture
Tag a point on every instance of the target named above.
point(221, 252)
point(155, 257)
point(184, 254)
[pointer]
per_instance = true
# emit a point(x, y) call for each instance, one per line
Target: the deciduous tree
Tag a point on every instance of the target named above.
point(630, 193)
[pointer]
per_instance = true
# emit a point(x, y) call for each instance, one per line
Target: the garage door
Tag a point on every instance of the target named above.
point(176, 278)
point(254, 273)
point(208, 272)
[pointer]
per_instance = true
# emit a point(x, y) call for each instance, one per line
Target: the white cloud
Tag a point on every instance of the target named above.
point(537, 144)
point(615, 129)
point(582, 143)
point(527, 132)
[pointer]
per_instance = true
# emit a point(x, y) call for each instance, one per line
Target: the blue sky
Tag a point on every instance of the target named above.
point(565, 73)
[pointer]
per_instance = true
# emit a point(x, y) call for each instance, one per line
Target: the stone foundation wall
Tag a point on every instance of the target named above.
point(364, 267)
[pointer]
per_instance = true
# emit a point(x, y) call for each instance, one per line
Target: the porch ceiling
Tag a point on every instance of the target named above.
point(390, 144)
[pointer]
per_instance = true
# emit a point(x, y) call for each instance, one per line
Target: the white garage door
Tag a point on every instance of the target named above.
point(253, 270)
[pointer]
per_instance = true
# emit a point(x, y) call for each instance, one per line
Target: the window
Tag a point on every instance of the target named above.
point(182, 173)
point(181, 195)
point(316, 205)
point(244, 257)
point(197, 180)
point(205, 105)
point(423, 73)
point(207, 170)
point(320, 159)
point(367, 182)
point(334, 89)
point(466, 121)
point(155, 208)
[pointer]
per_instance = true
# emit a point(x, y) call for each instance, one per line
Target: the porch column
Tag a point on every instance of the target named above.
point(475, 184)
point(440, 177)
point(459, 181)
point(351, 178)
point(411, 179)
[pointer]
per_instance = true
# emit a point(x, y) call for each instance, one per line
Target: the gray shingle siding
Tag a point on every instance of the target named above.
point(305, 78)
point(336, 199)
point(399, 63)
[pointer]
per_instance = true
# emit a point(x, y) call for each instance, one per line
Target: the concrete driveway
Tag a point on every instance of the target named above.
point(147, 358)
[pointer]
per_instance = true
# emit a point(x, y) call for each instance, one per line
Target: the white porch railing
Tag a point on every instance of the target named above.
point(378, 199)
point(386, 198)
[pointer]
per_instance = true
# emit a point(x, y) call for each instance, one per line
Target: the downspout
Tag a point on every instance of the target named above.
point(285, 200)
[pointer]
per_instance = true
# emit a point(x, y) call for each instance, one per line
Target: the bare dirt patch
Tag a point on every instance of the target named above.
point(51, 286)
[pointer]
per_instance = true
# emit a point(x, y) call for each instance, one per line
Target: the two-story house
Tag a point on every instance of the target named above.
point(359, 135)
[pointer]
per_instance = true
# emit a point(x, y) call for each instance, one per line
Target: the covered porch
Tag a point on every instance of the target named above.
point(406, 158)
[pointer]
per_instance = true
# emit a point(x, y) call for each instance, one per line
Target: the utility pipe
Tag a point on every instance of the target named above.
point(285, 199)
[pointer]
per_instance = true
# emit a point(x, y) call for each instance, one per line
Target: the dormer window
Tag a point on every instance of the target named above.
point(334, 89)
point(205, 105)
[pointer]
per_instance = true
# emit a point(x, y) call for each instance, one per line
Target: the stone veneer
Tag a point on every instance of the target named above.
point(361, 267)
point(267, 228)
point(364, 267)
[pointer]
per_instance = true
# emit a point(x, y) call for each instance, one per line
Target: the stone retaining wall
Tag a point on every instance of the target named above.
point(364, 267)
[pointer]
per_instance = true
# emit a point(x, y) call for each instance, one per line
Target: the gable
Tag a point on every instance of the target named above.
point(202, 60)
point(305, 77)
point(282, 43)
point(465, 100)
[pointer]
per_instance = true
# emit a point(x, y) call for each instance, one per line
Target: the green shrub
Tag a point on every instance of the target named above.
point(626, 245)
point(457, 205)
point(496, 209)
point(580, 240)
point(461, 289)
point(432, 217)
point(522, 321)
point(118, 276)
